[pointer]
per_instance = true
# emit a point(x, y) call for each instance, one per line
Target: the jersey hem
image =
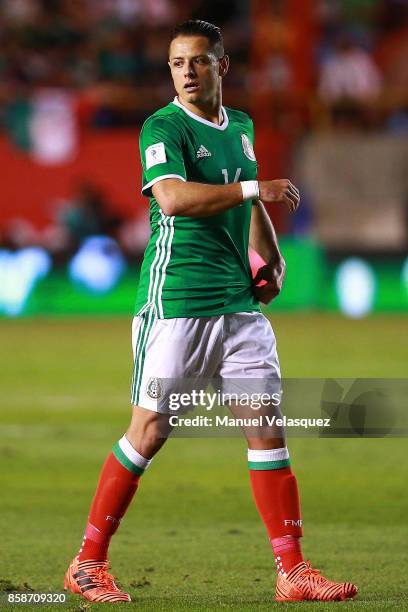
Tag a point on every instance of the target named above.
point(194, 315)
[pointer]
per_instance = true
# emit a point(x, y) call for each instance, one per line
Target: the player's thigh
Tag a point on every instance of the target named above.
point(250, 373)
point(249, 350)
point(172, 356)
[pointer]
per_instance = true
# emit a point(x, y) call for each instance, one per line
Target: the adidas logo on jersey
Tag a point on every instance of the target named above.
point(203, 152)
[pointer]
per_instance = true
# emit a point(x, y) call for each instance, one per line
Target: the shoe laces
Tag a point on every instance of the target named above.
point(103, 578)
point(309, 571)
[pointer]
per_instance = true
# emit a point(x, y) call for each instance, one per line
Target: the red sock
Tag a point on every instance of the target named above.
point(116, 488)
point(287, 553)
point(277, 499)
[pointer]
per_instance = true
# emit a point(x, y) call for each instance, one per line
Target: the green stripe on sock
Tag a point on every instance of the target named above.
point(121, 457)
point(268, 465)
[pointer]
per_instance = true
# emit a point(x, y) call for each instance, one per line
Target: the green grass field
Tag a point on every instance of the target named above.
point(192, 539)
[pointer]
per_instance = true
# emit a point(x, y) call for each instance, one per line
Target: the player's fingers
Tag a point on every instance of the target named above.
point(295, 198)
point(294, 189)
point(286, 184)
point(290, 201)
point(291, 195)
point(266, 273)
point(270, 288)
point(265, 296)
point(257, 278)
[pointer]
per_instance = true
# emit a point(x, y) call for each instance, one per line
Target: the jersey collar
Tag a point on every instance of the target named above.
point(221, 127)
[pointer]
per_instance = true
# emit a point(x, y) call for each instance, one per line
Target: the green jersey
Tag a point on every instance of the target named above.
point(197, 267)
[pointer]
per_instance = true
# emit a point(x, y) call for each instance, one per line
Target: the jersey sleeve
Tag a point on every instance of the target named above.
point(161, 152)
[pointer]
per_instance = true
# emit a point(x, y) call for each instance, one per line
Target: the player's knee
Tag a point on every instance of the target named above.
point(147, 431)
point(266, 443)
point(148, 443)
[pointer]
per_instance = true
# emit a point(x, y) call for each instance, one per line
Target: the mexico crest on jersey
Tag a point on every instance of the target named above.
point(248, 148)
point(153, 388)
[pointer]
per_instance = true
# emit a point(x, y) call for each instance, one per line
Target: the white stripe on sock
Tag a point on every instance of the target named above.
point(273, 454)
point(132, 454)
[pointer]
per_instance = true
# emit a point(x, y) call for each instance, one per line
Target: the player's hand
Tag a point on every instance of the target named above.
point(273, 273)
point(281, 191)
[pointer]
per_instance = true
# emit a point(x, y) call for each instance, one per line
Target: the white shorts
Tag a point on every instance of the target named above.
point(178, 352)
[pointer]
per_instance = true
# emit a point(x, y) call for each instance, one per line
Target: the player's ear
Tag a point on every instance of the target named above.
point(224, 65)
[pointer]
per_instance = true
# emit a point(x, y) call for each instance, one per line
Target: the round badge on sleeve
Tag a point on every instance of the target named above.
point(247, 147)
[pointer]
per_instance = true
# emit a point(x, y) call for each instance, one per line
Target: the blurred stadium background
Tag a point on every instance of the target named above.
point(326, 82)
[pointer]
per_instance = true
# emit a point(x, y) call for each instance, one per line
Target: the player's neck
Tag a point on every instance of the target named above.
point(211, 112)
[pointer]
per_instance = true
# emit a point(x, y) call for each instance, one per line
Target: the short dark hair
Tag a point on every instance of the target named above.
point(197, 27)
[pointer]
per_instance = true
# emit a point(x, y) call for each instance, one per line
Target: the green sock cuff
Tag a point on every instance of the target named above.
point(269, 465)
point(121, 457)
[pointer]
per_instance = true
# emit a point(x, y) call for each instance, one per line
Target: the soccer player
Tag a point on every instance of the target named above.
point(198, 314)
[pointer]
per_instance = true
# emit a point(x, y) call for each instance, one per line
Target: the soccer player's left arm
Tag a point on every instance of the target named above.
point(263, 239)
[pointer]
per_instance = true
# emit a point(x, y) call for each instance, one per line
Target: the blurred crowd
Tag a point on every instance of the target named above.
point(330, 63)
point(107, 56)
point(73, 220)
point(104, 60)
point(363, 62)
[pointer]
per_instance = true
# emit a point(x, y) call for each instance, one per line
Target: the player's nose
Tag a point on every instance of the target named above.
point(189, 71)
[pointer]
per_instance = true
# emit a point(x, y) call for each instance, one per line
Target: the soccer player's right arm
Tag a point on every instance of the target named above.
point(164, 176)
point(189, 199)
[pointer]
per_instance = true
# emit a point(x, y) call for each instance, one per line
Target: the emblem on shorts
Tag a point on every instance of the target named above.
point(153, 388)
point(247, 147)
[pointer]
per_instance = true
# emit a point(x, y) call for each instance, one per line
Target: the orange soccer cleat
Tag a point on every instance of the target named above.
point(304, 583)
point(91, 580)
